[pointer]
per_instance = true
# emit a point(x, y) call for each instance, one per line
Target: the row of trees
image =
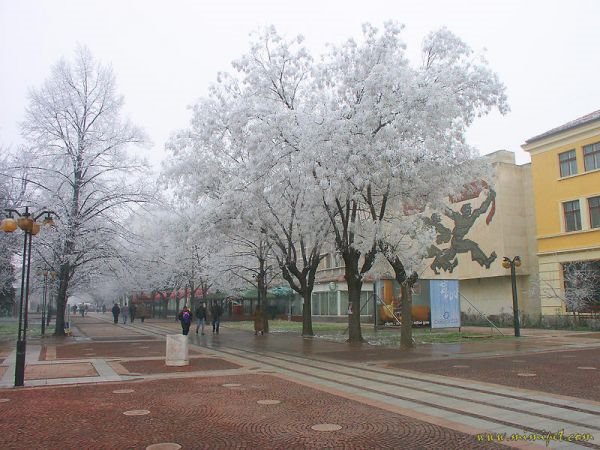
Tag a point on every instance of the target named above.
point(342, 153)
point(287, 157)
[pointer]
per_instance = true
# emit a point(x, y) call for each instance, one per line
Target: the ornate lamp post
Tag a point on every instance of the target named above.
point(27, 222)
point(508, 263)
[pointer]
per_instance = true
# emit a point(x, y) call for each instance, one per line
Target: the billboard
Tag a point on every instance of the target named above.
point(445, 304)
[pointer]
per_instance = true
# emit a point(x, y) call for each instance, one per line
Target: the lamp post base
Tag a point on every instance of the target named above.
point(20, 364)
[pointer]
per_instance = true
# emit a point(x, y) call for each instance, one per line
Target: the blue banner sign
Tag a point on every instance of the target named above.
point(445, 304)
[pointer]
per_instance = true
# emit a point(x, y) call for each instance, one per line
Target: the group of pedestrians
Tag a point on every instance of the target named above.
point(185, 318)
point(128, 312)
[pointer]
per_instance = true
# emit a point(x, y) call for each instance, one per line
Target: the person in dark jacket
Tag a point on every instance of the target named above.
point(216, 311)
point(132, 311)
point(116, 311)
point(200, 318)
point(142, 312)
point(185, 317)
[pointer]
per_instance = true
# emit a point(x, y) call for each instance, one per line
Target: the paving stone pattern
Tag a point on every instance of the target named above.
point(148, 367)
point(113, 349)
point(555, 372)
point(201, 413)
point(243, 406)
point(52, 371)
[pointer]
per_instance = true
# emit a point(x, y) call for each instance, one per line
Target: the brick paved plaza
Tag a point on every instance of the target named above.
point(108, 388)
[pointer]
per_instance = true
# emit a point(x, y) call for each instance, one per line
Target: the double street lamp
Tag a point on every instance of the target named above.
point(508, 263)
point(26, 221)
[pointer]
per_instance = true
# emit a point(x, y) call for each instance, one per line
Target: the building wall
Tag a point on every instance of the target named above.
point(556, 246)
point(493, 296)
point(551, 191)
point(509, 232)
point(551, 279)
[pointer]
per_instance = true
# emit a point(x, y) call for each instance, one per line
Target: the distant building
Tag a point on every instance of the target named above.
point(477, 230)
point(504, 228)
point(565, 165)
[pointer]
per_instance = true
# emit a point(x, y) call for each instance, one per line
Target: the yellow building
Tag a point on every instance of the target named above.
point(565, 165)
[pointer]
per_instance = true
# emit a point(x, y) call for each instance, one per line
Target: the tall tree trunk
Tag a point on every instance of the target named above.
point(354, 282)
point(303, 282)
point(61, 299)
point(261, 285)
point(406, 283)
point(307, 329)
point(354, 290)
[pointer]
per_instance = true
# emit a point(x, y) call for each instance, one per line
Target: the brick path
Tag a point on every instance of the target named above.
point(567, 372)
point(223, 402)
point(202, 413)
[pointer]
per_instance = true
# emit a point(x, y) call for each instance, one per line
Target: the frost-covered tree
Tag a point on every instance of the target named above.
point(78, 141)
point(241, 149)
point(582, 286)
point(191, 249)
point(14, 189)
point(7, 245)
point(298, 236)
point(391, 137)
point(370, 136)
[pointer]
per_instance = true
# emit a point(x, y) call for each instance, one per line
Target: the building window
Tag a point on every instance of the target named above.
point(591, 156)
point(324, 303)
point(582, 286)
point(568, 163)
point(325, 262)
point(594, 206)
point(572, 215)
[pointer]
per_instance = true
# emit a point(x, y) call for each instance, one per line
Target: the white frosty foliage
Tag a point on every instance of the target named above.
point(361, 139)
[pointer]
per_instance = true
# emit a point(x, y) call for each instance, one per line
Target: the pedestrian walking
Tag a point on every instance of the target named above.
point(125, 313)
point(103, 309)
point(115, 312)
point(215, 312)
point(200, 318)
point(132, 311)
point(142, 312)
point(259, 321)
point(185, 317)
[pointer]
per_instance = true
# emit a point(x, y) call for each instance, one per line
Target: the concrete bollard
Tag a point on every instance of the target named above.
point(177, 350)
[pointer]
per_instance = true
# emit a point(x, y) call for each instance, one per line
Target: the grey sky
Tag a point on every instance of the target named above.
point(166, 53)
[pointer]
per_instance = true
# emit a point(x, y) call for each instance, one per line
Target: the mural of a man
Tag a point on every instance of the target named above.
point(463, 221)
point(444, 259)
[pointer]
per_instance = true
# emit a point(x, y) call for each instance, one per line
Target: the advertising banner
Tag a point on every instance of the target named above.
point(445, 304)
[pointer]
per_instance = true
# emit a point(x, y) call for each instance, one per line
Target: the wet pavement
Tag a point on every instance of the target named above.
point(252, 412)
point(574, 373)
point(108, 387)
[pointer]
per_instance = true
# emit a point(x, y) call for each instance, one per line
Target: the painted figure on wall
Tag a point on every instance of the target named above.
point(446, 259)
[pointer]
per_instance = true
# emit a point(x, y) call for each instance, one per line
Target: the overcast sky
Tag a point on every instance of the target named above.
point(166, 53)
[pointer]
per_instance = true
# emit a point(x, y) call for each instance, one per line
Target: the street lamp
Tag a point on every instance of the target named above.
point(508, 263)
point(27, 222)
point(45, 273)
